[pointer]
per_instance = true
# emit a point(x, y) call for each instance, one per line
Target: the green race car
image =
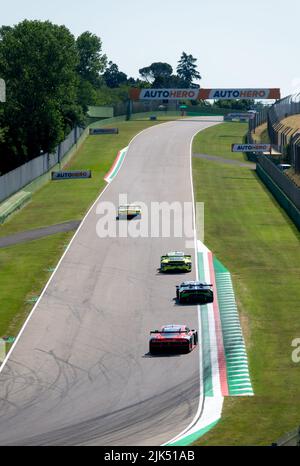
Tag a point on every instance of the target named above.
point(176, 261)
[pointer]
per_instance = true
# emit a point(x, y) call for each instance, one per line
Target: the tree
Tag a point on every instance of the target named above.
point(187, 70)
point(158, 74)
point(235, 104)
point(91, 64)
point(86, 94)
point(38, 62)
point(113, 77)
point(91, 61)
point(132, 82)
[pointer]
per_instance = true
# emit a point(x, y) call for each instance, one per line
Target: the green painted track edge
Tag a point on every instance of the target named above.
point(189, 439)
point(205, 341)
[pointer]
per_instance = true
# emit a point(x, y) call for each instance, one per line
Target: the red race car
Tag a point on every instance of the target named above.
point(171, 338)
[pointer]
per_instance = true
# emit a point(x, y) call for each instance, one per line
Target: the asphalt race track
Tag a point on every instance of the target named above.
point(80, 373)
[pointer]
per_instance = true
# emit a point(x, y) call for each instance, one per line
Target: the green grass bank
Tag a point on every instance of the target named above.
point(254, 238)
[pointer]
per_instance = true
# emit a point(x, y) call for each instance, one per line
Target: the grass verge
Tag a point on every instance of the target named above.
point(217, 140)
point(257, 242)
point(24, 270)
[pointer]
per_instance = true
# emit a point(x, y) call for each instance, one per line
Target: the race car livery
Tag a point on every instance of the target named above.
point(176, 261)
point(194, 292)
point(129, 211)
point(171, 338)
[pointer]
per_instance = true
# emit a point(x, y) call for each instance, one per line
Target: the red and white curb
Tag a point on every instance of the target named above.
point(116, 165)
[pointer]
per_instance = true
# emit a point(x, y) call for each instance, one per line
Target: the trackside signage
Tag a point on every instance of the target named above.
point(239, 94)
point(162, 94)
point(246, 116)
point(250, 147)
point(104, 130)
point(203, 94)
point(71, 175)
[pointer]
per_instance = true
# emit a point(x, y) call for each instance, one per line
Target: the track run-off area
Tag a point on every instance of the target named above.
point(80, 372)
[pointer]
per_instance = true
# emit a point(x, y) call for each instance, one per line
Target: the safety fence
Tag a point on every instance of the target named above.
point(286, 139)
point(16, 179)
point(281, 186)
point(252, 156)
point(291, 190)
point(260, 118)
point(288, 106)
point(285, 202)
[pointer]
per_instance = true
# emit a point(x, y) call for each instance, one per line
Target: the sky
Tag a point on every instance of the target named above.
point(237, 43)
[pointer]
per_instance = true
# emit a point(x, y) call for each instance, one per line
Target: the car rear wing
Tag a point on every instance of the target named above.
point(190, 287)
point(186, 256)
point(169, 331)
point(130, 207)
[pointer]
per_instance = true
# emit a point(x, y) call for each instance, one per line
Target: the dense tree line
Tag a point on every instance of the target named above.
point(51, 79)
point(38, 61)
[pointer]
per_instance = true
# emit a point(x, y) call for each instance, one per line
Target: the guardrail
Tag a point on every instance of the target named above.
point(282, 187)
point(291, 190)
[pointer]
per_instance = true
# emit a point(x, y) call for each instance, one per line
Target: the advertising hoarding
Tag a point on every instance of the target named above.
point(71, 175)
point(203, 94)
point(250, 147)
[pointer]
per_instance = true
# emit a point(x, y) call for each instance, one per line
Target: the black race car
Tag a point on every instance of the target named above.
point(194, 292)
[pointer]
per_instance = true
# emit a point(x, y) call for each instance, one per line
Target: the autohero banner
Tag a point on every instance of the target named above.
point(250, 147)
point(203, 94)
point(71, 175)
point(233, 93)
